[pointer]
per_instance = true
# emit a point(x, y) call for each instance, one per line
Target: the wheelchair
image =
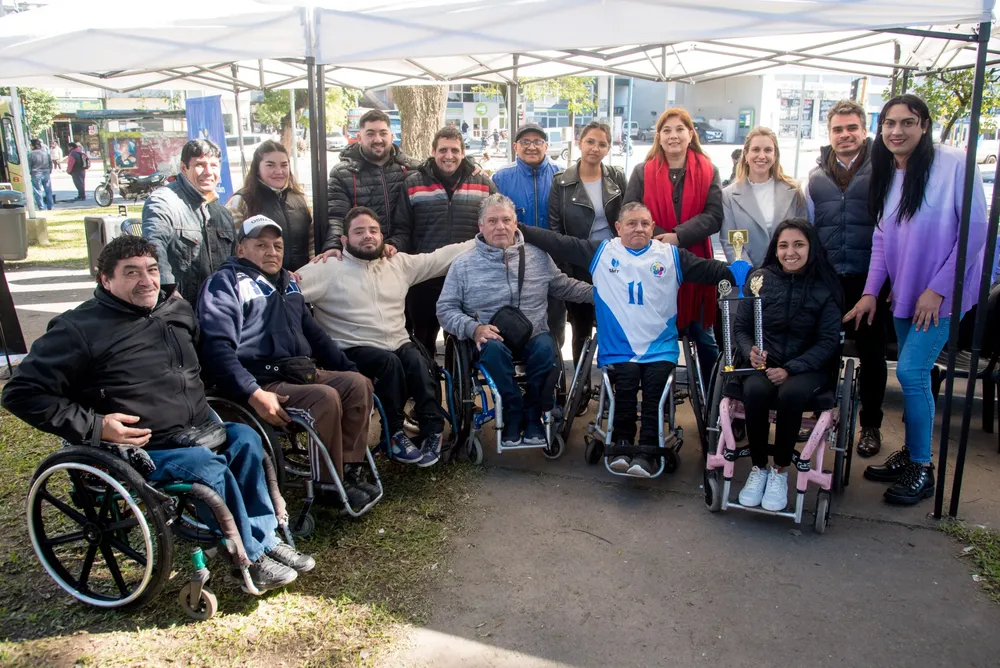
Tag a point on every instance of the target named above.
point(464, 378)
point(833, 429)
point(671, 437)
point(298, 452)
point(105, 534)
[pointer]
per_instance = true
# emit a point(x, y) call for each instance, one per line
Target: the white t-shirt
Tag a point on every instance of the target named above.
point(764, 192)
point(595, 191)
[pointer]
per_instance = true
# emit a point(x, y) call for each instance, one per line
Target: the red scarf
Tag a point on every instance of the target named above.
point(658, 196)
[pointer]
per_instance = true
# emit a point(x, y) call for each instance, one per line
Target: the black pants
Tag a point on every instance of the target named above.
point(78, 181)
point(397, 376)
point(421, 313)
point(581, 319)
point(870, 341)
point(627, 379)
point(760, 395)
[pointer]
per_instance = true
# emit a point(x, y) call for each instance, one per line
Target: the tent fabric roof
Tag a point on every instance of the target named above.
point(429, 41)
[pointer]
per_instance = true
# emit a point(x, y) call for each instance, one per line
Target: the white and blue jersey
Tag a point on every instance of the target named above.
point(635, 299)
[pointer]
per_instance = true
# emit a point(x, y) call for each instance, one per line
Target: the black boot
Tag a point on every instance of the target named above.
point(870, 442)
point(355, 475)
point(915, 485)
point(892, 469)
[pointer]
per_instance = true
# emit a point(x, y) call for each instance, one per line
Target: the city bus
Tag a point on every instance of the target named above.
point(12, 166)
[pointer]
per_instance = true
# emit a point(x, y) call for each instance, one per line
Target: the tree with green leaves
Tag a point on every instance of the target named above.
point(39, 108)
point(949, 97)
point(275, 109)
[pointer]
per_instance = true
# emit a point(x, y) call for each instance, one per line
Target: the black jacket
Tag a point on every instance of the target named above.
point(356, 182)
point(841, 217)
point(429, 217)
point(108, 356)
point(571, 211)
point(291, 212)
point(801, 323)
point(696, 228)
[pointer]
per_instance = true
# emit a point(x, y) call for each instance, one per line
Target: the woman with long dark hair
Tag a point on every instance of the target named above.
point(270, 189)
point(682, 190)
point(802, 306)
point(584, 203)
point(916, 197)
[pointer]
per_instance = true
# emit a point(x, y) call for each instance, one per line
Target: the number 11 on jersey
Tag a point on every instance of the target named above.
point(635, 293)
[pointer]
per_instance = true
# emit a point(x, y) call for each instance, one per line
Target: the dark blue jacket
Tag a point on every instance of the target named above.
point(841, 217)
point(245, 317)
point(529, 188)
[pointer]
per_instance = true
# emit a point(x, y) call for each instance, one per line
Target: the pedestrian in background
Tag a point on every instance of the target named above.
point(77, 163)
point(56, 154)
point(40, 167)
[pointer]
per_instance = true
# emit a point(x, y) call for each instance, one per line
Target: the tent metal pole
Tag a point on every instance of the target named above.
point(317, 182)
point(798, 132)
point(512, 118)
point(982, 316)
point(239, 124)
point(937, 34)
point(960, 263)
point(294, 148)
point(897, 53)
point(628, 126)
point(320, 222)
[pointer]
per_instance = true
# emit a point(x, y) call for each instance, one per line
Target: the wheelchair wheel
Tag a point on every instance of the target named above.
point(578, 401)
point(557, 448)
point(98, 529)
point(694, 396)
point(671, 461)
point(204, 608)
point(230, 411)
point(458, 363)
point(594, 450)
point(822, 511)
point(845, 427)
point(712, 428)
point(474, 450)
point(713, 491)
point(305, 529)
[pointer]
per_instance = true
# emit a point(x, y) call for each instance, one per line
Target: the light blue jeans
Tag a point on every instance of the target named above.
point(917, 352)
point(41, 188)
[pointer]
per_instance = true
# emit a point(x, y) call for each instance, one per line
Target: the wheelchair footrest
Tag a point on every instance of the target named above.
point(797, 461)
point(671, 444)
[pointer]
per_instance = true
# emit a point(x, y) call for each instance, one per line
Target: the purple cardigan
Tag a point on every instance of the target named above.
point(920, 253)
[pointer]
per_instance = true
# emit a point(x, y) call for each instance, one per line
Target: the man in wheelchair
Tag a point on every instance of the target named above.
point(360, 301)
point(258, 344)
point(636, 280)
point(497, 296)
point(122, 368)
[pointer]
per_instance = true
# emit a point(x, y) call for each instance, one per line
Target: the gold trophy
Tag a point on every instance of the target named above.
point(741, 269)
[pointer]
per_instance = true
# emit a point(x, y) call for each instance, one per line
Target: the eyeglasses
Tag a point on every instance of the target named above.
point(906, 123)
point(528, 143)
point(600, 144)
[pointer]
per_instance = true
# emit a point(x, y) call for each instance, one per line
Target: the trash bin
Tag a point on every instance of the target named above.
point(13, 226)
point(99, 230)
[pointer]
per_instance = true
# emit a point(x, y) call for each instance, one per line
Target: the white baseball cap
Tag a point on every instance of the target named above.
point(254, 225)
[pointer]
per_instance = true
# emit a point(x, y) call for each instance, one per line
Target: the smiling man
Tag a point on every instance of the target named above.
point(439, 206)
point(837, 197)
point(191, 230)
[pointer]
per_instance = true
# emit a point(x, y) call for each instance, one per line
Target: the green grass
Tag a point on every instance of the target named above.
point(982, 549)
point(67, 248)
point(371, 575)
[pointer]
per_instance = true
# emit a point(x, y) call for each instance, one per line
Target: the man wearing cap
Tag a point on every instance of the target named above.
point(258, 342)
point(527, 183)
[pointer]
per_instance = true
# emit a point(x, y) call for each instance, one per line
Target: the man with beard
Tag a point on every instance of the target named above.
point(369, 174)
point(367, 321)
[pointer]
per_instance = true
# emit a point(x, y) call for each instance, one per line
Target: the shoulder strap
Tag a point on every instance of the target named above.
point(520, 274)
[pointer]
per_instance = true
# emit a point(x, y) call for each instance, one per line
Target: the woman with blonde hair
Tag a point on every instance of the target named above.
point(760, 197)
point(271, 190)
point(681, 188)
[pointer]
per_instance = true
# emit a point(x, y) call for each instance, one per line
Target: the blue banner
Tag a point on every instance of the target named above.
point(204, 121)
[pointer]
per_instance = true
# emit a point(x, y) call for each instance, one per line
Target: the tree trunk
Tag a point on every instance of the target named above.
point(421, 114)
point(946, 130)
point(286, 132)
point(572, 137)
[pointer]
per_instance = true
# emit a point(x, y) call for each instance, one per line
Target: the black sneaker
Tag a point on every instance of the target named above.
point(915, 485)
point(870, 442)
point(355, 475)
point(284, 554)
point(268, 574)
point(356, 496)
point(892, 469)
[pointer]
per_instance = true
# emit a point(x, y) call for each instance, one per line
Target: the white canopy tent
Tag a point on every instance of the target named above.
point(119, 45)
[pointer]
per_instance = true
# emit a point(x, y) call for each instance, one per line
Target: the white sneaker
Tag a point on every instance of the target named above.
point(776, 494)
point(753, 490)
point(621, 463)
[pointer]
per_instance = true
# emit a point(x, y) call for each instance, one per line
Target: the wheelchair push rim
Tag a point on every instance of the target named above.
point(108, 523)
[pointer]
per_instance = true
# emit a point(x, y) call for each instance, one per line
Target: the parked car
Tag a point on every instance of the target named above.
point(250, 144)
point(335, 141)
point(646, 135)
point(707, 134)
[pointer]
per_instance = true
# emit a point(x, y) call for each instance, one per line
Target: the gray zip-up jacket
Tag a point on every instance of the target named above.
point(485, 279)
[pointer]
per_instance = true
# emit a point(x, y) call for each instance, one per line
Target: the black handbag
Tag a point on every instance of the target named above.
point(294, 370)
point(510, 321)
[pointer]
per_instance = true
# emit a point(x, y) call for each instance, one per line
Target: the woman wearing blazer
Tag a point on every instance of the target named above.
point(584, 203)
point(760, 197)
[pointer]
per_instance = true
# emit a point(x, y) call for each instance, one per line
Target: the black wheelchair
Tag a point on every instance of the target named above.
point(298, 452)
point(105, 534)
point(465, 378)
point(834, 417)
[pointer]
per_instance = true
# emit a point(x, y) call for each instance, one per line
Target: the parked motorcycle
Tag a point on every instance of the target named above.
point(129, 186)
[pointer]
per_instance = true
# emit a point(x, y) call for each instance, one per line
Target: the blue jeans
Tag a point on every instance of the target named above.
point(41, 188)
point(708, 349)
point(917, 352)
point(237, 475)
point(542, 372)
